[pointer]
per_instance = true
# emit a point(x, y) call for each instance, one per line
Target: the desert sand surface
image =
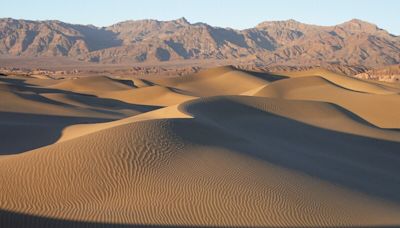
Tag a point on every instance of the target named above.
point(219, 148)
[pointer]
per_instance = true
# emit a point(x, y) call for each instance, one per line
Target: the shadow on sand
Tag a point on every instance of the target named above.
point(18, 220)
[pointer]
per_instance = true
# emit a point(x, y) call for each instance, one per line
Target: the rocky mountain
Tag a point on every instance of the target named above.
point(353, 43)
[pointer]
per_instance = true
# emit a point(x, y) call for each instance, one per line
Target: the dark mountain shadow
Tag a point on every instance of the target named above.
point(28, 39)
point(221, 36)
point(10, 219)
point(162, 54)
point(178, 48)
point(262, 39)
point(98, 38)
point(362, 164)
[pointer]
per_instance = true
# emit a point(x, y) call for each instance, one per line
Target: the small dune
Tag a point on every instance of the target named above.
point(93, 84)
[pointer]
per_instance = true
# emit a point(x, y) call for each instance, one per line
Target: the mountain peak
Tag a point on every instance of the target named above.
point(182, 21)
point(359, 26)
point(357, 21)
point(290, 23)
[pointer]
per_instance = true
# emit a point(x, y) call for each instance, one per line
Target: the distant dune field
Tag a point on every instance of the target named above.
point(222, 147)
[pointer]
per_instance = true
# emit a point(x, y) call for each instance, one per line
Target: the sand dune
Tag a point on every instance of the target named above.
point(222, 147)
point(347, 82)
point(94, 84)
point(375, 108)
point(217, 81)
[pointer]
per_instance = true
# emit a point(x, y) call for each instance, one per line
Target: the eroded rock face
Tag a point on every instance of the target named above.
point(354, 42)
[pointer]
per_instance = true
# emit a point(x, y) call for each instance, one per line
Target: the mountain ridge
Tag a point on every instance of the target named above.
point(286, 42)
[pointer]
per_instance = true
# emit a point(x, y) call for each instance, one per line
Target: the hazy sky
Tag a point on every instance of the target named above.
point(237, 14)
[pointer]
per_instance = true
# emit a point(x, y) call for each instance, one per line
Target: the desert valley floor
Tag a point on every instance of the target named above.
point(222, 147)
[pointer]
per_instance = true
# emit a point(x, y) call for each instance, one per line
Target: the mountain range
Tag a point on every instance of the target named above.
point(353, 43)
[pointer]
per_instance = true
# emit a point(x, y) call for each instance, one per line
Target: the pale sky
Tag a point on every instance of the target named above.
point(236, 14)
